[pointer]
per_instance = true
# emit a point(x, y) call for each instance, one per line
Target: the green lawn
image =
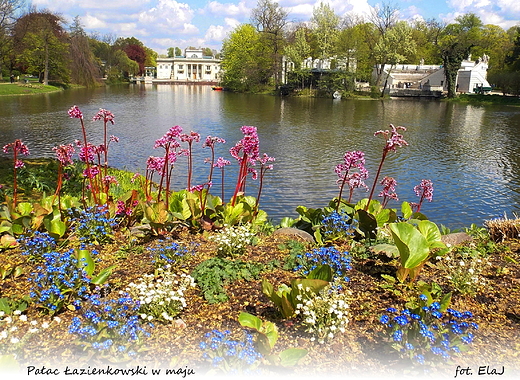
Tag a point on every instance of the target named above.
point(26, 88)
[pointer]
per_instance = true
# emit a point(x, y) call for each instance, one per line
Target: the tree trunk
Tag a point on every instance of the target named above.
point(46, 70)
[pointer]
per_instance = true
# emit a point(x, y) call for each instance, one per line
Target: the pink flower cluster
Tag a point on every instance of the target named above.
point(393, 138)
point(388, 192)
point(75, 113)
point(64, 153)
point(424, 190)
point(248, 146)
point(212, 140)
point(352, 160)
point(105, 115)
point(170, 138)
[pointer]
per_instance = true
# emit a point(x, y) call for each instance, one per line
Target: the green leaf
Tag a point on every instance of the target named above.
point(412, 245)
point(85, 261)
point(251, 321)
point(389, 249)
point(4, 306)
point(24, 208)
point(431, 232)
point(291, 356)
point(406, 210)
point(102, 277)
point(322, 272)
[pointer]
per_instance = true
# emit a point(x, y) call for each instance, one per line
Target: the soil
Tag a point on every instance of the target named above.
point(359, 352)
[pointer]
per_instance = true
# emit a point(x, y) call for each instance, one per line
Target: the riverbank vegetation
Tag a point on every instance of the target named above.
point(270, 51)
point(105, 267)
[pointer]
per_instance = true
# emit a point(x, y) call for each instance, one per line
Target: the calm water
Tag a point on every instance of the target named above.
point(471, 153)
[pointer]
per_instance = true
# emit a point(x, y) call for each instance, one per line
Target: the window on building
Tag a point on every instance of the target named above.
point(181, 67)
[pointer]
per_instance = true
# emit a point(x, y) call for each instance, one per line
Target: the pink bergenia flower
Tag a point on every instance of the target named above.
point(248, 145)
point(211, 140)
point(192, 137)
point(265, 159)
point(388, 191)
point(169, 138)
point(393, 138)
point(109, 180)
point(64, 153)
point(19, 164)
point(75, 113)
point(424, 190)
point(221, 162)
point(91, 172)
point(17, 147)
point(105, 115)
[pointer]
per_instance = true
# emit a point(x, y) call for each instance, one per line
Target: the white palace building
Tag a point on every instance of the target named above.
point(192, 67)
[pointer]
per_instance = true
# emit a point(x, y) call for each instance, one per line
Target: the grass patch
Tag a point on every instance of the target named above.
point(26, 88)
point(487, 99)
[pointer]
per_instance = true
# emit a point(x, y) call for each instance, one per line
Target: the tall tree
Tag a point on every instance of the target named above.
point(41, 41)
point(455, 44)
point(270, 20)
point(241, 61)
point(396, 46)
point(84, 70)
point(8, 12)
point(326, 24)
point(384, 17)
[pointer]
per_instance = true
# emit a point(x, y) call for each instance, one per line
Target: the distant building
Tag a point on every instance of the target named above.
point(191, 67)
point(470, 77)
point(317, 65)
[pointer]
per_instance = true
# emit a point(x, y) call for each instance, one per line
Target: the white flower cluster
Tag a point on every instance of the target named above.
point(233, 241)
point(16, 329)
point(464, 270)
point(324, 314)
point(161, 294)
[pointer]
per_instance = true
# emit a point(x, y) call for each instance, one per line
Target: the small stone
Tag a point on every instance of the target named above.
point(456, 238)
point(294, 232)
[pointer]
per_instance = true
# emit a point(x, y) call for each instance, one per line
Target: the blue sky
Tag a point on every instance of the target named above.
point(160, 24)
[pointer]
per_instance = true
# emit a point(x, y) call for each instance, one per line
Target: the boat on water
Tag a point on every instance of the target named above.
point(217, 88)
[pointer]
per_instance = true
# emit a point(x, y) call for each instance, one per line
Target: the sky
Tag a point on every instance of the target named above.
point(161, 24)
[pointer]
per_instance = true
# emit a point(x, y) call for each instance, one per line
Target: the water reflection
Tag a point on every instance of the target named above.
point(470, 153)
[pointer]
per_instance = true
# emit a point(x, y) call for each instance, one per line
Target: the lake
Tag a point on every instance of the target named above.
point(470, 153)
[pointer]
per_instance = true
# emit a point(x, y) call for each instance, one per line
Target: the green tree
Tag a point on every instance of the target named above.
point(456, 43)
point(8, 12)
point(41, 43)
point(326, 24)
point(171, 52)
point(83, 66)
point(396, 46)
point(384, 18)
point(296, 51)
point(241, 62)
point(270, 20)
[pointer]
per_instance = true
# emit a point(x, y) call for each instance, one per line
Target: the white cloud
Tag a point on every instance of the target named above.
point(93, 22)
point(227, 9)
point(167, 12)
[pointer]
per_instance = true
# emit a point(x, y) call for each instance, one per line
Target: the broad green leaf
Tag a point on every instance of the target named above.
point(412, 245)
point(406, 210)
point(322, 272)
point(4, 306)
point(25, 208)
point(251, 321)
point(431, 232)
point(291, 356)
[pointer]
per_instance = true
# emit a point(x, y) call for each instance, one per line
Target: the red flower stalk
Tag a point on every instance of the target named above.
point(18, 147)
point(351, 160)
point(246, 152)
point(393, 141)
point(424, 190)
